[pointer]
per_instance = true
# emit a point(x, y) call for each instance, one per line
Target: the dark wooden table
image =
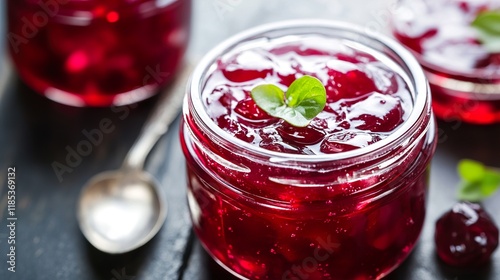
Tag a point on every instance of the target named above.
point(35, 133)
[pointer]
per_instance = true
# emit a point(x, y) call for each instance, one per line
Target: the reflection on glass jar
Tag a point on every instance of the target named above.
point(97, 53)
point(464, 75)
point(344, 197)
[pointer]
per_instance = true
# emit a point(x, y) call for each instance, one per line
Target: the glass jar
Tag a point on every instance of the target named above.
point(97, 53)
point(263, 214)
point(464, 76)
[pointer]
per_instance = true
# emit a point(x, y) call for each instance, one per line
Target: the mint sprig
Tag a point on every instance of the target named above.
point(478, 181)
point(304, 100)
point(487, 24)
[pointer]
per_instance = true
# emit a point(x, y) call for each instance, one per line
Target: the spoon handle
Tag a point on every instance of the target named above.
point(157, 124)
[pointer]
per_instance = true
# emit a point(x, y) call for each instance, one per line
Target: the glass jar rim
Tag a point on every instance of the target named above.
point(420, 84)
point(486, 86)
point(472, 74)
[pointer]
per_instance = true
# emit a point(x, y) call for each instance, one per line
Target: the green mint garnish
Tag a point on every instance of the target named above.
point(304, 100)
point(478, 181)
point(487, 24)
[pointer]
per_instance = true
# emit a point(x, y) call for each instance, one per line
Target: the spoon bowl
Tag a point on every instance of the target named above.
point(121, 210)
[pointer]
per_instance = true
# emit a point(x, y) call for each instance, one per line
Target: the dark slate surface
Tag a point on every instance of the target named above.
point(35, 132)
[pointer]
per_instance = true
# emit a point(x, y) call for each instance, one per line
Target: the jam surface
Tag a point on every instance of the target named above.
point(366, 100)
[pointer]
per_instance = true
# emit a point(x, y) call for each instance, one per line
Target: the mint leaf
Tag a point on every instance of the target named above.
point(470, 191)
point(490, 183)
point(478, 181)
point(308, 95)
point(305, 99)
point(471, 170)
point(269, 98)
point(488, 21)
point(487, 24)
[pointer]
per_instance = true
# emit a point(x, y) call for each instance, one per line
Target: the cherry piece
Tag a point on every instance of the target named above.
point(248, 110)
point(465, 235)
point(352, 84)
point(246, 66)
point(300, 135)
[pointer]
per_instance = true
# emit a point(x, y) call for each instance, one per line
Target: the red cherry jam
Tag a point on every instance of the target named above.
point(466, 235)
point(342, 198)
point(97, 53)
point(464, 75)
point(366, 100)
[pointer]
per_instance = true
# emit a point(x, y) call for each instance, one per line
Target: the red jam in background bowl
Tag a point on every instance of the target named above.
point(464, 75)
point(97, 53)
point(344, 197)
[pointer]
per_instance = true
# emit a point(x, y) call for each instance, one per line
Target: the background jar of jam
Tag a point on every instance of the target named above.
point(464, 75)
point(97, 53)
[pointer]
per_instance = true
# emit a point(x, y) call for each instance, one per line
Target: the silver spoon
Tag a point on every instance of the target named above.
point(119, 211)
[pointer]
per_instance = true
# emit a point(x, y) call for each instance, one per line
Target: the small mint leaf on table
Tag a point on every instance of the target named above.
point(487, 24)
point(304, 100)
point(478, 181)
point(470, 191)
point(471, 170)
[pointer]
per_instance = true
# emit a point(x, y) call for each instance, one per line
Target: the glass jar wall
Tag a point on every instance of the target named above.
point(265, 214)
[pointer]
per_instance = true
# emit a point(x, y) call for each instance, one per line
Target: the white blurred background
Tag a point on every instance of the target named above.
point(228, 17)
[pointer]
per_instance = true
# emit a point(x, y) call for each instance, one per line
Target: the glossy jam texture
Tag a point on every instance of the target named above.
point(466, 235)
point(366, 100)
point(262, 219)
point(97, 53)
point(315, 240)
point(441, 35)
